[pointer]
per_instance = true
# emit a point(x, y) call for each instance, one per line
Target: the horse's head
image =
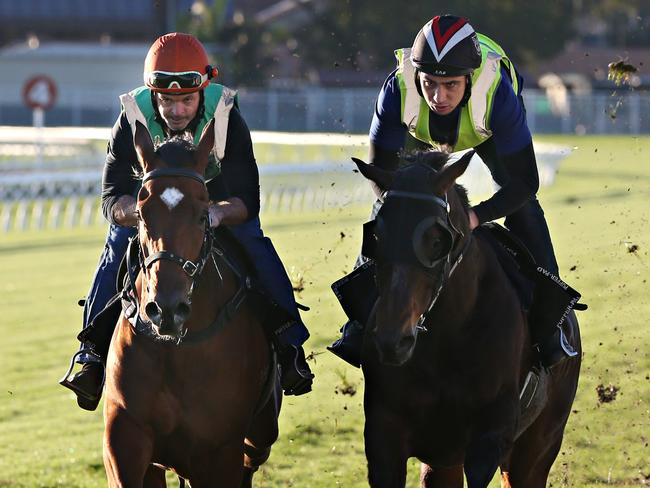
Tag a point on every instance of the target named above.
point(172, 209)
point(416, 233)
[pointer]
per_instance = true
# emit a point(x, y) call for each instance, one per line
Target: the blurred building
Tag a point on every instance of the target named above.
point(584, 67)
point(89, 20)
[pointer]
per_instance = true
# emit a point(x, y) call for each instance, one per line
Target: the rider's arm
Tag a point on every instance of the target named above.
point(387, 132)
point(510, 156)
point(235, 193)
point(120, 179)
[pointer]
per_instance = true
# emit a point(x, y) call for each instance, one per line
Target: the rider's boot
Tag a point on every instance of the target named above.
point(555, 349)
point(296, 377)
point(348, 347)
point(87, 384)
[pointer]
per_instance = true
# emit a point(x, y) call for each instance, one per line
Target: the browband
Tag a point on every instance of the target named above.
point(188, 173)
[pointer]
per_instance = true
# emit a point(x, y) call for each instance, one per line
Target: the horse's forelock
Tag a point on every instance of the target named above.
point(434, 159)
point(177, 152)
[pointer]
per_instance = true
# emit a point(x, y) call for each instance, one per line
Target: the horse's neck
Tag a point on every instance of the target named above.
point(216, 285)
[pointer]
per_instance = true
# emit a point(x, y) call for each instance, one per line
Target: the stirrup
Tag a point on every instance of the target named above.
point(65, 380)
point(84, 400)
point(555, 349)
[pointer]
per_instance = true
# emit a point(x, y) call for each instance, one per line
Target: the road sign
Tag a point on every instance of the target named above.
point(39, 92)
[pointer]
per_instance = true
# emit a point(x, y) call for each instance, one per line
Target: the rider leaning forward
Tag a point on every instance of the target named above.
point(179, 99)
point(456, 89)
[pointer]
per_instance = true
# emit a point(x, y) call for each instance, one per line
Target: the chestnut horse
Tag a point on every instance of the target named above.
point(189, 374)
point(447, 347)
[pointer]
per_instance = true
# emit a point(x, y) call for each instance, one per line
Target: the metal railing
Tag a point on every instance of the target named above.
point(350, 110)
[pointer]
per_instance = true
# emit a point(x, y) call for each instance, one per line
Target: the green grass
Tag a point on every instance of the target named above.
point(596, 211)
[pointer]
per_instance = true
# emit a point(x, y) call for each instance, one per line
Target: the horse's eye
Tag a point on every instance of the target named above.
point(441, 243)
point(434, 244)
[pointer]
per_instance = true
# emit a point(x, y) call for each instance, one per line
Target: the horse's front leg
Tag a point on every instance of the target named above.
point(386, 448)
point(127, 449)
point(492, 442)
point(222, 466)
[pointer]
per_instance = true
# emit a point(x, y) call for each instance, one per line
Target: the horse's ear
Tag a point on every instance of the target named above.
point(206, 143)
point(381, 177)
point(144, 147)
point(448, 175)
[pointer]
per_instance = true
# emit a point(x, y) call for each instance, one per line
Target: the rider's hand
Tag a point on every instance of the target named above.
point(473, 220)
point(124, 211)
point(215, 215)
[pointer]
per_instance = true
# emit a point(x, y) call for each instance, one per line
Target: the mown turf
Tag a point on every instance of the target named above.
point(597, 214)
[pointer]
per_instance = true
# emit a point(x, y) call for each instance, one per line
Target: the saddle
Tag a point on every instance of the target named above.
point(547, 299)
point(97, 335)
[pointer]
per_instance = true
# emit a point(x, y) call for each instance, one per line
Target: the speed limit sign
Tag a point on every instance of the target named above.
point(39, 92)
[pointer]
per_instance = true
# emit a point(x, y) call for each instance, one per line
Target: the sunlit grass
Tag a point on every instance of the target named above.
point(596, 210)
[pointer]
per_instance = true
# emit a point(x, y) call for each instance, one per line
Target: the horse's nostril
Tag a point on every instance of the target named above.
point(153, 312)
point(183, 311)
point(406, 343)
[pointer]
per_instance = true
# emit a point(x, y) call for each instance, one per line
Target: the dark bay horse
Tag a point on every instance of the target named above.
point(447, 348)
point(187, 377)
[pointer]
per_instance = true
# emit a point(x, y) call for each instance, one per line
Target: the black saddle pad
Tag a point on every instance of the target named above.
point(357, 292)
point(514, 257)
point(547, 298)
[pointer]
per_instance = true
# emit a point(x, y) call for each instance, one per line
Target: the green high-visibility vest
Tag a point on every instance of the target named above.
point(474, 120)
point(218, 100)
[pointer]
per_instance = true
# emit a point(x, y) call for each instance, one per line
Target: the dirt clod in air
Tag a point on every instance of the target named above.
point(620, 71)
point(607, 394)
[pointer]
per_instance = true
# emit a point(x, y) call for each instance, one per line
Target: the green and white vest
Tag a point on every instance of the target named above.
point(218, 101)
point(474, 123)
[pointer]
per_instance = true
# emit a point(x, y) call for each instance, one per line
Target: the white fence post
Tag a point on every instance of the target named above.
point(87, 211)
point(38, 212)
point(54, 215)
point(21, 215)
point(5, 220)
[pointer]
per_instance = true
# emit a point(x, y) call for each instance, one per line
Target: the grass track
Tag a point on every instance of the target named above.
point(596, 211)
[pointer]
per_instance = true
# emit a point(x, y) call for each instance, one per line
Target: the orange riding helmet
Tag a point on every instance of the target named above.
point(177, 63)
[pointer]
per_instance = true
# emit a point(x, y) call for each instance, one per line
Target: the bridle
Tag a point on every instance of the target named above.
point(210, 250)
point(191, 268)
point(448, 262)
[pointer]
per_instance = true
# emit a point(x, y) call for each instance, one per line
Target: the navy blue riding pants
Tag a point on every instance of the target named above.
point(271, 274)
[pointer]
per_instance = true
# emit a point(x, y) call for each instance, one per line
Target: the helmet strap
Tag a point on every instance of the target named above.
point(468, 91)
point(417, 82)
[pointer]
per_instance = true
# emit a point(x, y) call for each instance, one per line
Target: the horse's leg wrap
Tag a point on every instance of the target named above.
point(254, 457)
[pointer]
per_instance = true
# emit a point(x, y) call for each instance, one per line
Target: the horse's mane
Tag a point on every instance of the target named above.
point(177, 151)
point(436, 160)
